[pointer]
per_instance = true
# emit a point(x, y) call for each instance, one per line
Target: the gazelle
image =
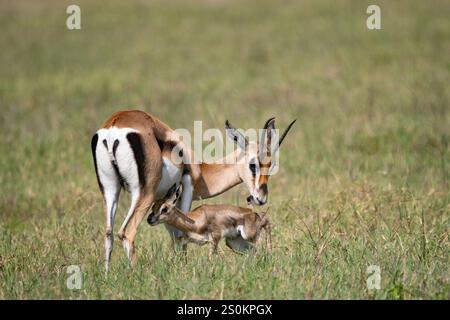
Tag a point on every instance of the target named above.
point(131, 151)
point(241, 227)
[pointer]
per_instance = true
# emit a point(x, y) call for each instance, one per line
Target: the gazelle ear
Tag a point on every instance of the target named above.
point(236, 135)
point(174, 193)
point(178, 192)
point(171, 191)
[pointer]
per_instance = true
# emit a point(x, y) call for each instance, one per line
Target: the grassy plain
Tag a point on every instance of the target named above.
point(364, 176)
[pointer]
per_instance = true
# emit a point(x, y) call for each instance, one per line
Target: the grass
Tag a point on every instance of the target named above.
point(364, 176)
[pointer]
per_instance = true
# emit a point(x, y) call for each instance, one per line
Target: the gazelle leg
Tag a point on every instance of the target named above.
point(268, 230)
point(111, 198)
point(135, 195)
point(110, 186)
point(176, 236)
point(129, 233)
point(213, 249)
point(215, 238)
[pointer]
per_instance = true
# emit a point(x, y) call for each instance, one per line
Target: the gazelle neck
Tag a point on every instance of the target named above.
point(216, 178)
point(176, 221)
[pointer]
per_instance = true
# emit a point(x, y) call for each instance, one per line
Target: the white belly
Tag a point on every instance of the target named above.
point(170, 174)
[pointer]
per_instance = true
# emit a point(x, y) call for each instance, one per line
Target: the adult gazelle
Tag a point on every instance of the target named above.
point(134, 151)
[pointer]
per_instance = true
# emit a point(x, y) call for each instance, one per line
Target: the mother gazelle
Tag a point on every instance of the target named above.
point(132, 150)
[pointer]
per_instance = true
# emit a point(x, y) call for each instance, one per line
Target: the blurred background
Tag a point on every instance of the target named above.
point(371, 141)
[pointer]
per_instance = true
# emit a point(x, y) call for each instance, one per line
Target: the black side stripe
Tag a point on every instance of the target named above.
point(94, 142)
point(134, 139)
point(160, 144)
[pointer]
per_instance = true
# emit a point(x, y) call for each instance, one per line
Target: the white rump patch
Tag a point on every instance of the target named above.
point(124, 157)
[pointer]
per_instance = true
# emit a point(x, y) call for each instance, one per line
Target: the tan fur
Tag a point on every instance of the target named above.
point(150, 128)
point(204, 176)
point(208, 180)
point(212, 221)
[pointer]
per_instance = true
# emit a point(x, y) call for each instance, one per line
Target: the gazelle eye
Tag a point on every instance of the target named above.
point(252, 167)
point(164, 210)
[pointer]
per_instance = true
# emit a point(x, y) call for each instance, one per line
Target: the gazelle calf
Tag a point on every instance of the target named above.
point(241, 227)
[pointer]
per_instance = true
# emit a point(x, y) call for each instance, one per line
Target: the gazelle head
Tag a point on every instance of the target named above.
point(256, 162)
point(164, 209)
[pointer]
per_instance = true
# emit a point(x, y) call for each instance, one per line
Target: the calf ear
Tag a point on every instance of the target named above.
point(171, 191)
point(174, 193)
point(178, 192)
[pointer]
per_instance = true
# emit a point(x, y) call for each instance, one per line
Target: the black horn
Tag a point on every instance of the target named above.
point(268, 122)
point(283, 136)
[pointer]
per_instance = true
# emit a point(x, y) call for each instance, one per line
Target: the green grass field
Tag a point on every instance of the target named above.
point(365, 171)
